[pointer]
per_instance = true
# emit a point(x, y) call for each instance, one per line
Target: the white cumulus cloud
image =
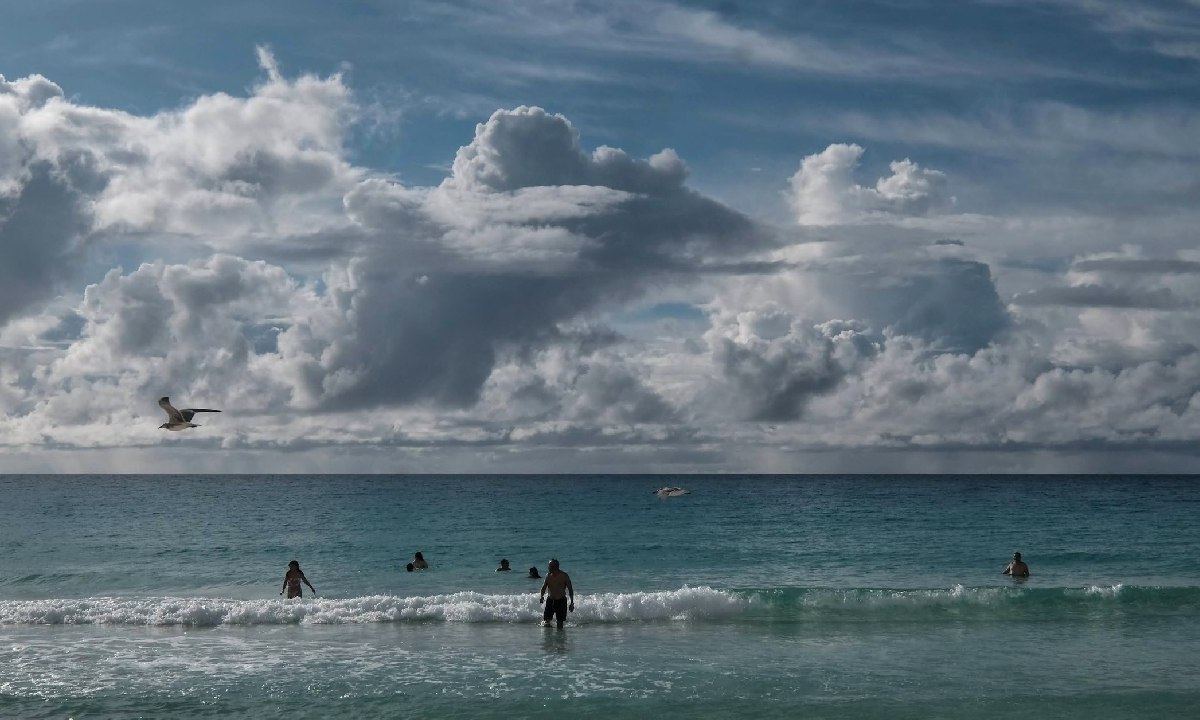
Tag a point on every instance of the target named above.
point(824, 192)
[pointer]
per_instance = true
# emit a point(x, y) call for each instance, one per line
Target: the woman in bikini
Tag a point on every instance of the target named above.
point(292, 580)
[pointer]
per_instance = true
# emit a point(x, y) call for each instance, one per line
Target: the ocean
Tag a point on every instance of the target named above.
point(751, 597)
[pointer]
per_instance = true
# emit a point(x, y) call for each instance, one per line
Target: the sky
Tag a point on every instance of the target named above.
point(613, 236)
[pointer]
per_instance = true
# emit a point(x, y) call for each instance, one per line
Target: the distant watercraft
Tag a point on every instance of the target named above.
point(665, 492)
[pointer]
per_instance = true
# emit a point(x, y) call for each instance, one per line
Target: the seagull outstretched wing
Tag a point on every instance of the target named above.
point(180, 416)
point(173, 415)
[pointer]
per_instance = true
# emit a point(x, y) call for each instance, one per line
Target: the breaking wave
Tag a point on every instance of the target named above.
point(464, 607)
point(700, 604)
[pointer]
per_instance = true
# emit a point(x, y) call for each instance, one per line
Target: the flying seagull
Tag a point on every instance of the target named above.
point(179, 419)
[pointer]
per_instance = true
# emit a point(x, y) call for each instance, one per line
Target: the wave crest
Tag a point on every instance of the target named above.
point(465, 607)
point(975, 603)
point(800, 605)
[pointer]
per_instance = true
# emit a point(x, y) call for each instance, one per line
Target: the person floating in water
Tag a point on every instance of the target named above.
point(419, 562)
point(558, 585)
point(533, 574)
point(503, 566)
point(292, 580)
point(1017, 568)
point(409, 567)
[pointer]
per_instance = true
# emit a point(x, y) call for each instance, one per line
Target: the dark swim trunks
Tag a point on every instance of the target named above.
point(555, 608)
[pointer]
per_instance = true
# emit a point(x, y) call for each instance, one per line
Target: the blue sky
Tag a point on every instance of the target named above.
point(832, 236)
point(739, 89)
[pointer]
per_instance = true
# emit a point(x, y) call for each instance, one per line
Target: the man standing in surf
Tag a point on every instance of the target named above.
point(558, 585)
point(1017, 568)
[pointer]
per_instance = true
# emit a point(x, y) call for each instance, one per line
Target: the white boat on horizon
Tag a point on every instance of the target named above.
point(665, 492)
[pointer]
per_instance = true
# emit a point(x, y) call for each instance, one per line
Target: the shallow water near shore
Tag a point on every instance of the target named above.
point(753, 596)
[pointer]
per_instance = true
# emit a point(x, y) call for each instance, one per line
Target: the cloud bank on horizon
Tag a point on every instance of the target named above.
point(553, 301)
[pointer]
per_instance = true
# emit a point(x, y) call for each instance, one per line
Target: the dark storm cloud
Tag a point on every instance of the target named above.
point(955, 304)
point(948, 302)
point(775, 364)
point(775, 386)
point(40, 228)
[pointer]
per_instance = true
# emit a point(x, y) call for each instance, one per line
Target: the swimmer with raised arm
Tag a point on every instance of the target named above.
point(292, 580)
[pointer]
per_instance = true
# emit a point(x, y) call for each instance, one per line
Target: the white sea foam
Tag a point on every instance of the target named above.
point(465, 607)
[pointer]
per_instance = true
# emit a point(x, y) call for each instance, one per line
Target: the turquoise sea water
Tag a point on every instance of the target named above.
point(754, 596)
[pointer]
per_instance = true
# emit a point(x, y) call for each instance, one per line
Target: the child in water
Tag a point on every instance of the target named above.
point(291, 581)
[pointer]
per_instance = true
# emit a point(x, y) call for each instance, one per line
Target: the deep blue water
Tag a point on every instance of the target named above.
point(753, 596)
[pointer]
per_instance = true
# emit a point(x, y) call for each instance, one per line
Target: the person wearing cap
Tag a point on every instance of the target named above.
point(558, 586)
point(1017, 568)
point(292, 579)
